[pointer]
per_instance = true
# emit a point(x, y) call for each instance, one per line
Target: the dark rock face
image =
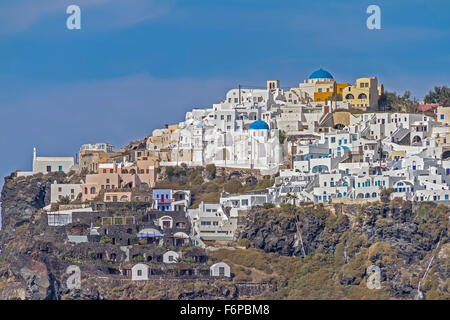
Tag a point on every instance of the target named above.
point(267, 238)
point(346, 280)
point(397, 225)
point(281, 235)
point(209, 294)
point(22, 198)
point(251, 181)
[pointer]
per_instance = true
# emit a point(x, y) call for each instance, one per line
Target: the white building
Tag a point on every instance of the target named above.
point(239, 132)
point(171, 257)
point(63, 217)
point(210, 222)
point(61, 190)
point(220, 269)
point(245, 201)
point(140, 272)
point(105, 147)
point(52, 164)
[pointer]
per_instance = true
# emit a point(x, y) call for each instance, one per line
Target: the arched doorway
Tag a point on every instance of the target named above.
point(417, 140)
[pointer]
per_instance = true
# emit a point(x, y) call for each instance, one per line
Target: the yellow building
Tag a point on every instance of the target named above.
point(321, 86)
point(329, 91)
point(443, 114)
point(324, 90)
point(364, 94)
point(340, 88)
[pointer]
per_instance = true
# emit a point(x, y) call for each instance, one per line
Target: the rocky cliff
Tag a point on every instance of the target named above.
point(315, 251)
point(399, 237)
point(34, 257)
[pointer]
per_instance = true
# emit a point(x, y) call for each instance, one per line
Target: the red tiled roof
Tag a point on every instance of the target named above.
point(428, 106)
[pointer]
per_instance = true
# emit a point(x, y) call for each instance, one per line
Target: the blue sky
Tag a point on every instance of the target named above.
point(138, 64)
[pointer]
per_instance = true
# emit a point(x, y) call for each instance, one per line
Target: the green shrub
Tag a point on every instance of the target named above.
point(105, 239)
point(268, 205)
point(64, 200)
point(170, 171)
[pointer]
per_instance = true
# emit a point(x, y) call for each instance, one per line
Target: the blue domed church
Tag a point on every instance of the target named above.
point(259, 125)
point(319, 86)
point(320, 74)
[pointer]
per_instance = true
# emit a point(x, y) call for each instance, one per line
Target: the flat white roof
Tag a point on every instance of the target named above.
point(54, 159)
point(106, 165)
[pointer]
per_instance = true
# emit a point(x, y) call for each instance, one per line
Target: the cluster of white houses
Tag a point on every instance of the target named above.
point(143, 272)
point(308, 137)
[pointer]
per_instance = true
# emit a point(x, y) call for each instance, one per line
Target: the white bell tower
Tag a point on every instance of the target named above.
point(198, 145)
point(34, 159)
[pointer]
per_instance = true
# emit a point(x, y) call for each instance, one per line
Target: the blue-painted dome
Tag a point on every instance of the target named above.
point(321, 74)
point(259, 125)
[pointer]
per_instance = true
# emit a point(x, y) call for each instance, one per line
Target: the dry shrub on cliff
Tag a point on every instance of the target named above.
point(233, 186)
point(247, 258)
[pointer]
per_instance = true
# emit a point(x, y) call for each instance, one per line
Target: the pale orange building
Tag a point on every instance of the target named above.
point(113, 176)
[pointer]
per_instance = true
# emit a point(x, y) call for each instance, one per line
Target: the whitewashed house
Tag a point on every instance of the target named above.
point(52, 164)
point(49, 164)
point(220, 269)
point(171, 257)
point(61, 190)
point(140, 272)
point(210, 222)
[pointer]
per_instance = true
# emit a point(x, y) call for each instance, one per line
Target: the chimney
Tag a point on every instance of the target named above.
point(326, 110)
point(34, 154)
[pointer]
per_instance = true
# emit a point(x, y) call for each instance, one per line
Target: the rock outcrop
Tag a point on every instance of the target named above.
point(407, 233)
